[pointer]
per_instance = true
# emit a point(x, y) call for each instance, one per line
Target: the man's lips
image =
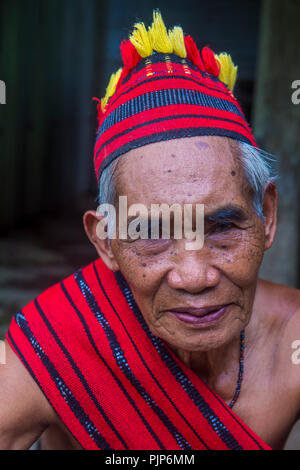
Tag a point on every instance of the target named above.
point(197, 312)
point(200, 316)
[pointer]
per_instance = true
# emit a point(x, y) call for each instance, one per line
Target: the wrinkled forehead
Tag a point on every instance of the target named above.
point(195, 169)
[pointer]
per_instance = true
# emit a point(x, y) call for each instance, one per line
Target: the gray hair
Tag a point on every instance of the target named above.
point(259, 171)
point(258, 167)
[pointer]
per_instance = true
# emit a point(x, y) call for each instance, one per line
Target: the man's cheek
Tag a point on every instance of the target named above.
point(242, 264)
point(135, 267)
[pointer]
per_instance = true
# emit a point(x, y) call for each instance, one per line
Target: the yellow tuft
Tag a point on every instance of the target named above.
point(177, 40)
point(156, 38)
point(158, 35)
point(141, 40)
point(228, 71)
point(111, 88)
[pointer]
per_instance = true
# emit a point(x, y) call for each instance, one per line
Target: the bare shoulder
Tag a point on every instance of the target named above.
point(279, 304)
point(281, 307)
point(24, 411)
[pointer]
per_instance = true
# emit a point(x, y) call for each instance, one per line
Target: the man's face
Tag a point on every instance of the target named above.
point(171, 284)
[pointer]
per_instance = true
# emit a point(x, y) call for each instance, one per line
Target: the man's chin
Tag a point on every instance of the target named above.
point(197, 337)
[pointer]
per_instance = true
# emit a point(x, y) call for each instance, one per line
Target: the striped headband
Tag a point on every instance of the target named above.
point(167, 89)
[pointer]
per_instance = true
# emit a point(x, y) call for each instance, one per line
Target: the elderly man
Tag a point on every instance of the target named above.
point(156, 346)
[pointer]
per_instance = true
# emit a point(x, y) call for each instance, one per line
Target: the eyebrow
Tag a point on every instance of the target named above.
point(229, 212)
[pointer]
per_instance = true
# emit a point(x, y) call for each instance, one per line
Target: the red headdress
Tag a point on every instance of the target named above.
point(167, 89)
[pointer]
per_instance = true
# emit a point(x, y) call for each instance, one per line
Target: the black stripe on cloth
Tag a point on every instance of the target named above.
point(167, 118)
point(122, 362)
point(162, 98)
point(78, 372)
point(121, 386)
point(212, 419)
point(233, 416)
point(61, 386)
point(144, 81)
point(171, 134)
point(143, 360)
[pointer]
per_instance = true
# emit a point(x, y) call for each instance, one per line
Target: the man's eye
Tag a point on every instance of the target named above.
point(222, 227)
point(148, 232)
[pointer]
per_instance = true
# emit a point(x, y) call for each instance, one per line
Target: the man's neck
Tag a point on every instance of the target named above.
point(218, 367)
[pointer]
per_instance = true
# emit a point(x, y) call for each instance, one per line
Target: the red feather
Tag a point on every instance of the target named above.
point(193, 53)
point(211, 65)
point(129, 54)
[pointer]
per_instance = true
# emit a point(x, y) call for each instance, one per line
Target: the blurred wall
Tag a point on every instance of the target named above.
point(51, 63)
point(277, 128)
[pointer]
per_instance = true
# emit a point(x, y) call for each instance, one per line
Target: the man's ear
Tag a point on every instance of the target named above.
point(91, 220)
point(270, 202)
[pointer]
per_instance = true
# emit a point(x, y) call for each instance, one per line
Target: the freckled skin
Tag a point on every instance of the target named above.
point(203, 277)
point(163, 275)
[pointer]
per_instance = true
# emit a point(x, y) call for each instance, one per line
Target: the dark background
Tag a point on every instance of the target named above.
point(58, 54)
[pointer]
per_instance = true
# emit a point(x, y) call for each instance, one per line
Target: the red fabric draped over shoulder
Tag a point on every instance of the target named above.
point(112, 383)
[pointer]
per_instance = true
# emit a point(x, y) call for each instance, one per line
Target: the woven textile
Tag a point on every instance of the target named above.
point(166, 97)
point(111, 381)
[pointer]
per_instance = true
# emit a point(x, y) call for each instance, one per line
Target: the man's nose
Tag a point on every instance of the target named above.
point(193, 271)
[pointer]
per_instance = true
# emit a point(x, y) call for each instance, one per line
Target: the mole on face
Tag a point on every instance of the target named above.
point(144, 275)
point(173, 155)
point(169, 171)
point(144, 265)
point(224, 246)
point(201, 145)
point(233, 173)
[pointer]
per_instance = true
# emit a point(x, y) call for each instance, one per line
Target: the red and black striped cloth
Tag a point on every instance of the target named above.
point(110, 380)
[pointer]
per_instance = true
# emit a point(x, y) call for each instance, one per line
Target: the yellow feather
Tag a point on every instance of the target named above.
point(158, 35)
point(111, 88)
point(141, 40)
point(177, 40)
point(228, 71)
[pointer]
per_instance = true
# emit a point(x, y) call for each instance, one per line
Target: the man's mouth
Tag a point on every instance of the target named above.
point(200, 316)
